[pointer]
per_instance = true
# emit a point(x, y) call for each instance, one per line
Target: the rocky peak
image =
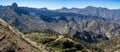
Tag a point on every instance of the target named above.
point(14, 5)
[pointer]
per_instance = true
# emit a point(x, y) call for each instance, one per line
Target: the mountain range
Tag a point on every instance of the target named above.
point(90, 29)
point(96, 24)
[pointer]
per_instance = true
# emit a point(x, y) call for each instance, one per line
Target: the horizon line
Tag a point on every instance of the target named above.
point(62, 7)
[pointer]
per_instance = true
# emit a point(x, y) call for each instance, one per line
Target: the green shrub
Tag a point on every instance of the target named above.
point(11, 48)
point(45, 40)
point(56, 44)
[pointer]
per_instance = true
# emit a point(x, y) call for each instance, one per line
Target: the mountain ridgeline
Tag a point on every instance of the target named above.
point(90, 24)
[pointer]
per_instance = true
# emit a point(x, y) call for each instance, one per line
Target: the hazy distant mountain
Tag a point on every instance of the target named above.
point(70, 21)
point(1, 7)
point(112, 15)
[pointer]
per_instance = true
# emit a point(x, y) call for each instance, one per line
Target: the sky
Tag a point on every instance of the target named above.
point(57, 4)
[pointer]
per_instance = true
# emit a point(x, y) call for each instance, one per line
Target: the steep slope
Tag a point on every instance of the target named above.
point(11, 40)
